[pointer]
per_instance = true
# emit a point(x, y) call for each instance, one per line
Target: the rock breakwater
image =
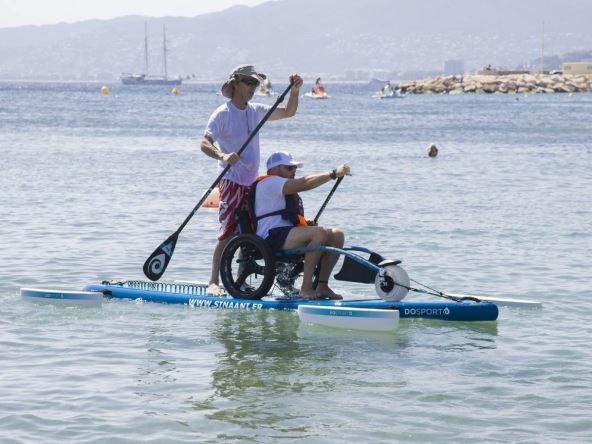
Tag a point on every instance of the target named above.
point(489, 84)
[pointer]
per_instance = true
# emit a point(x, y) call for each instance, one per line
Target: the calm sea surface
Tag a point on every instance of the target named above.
point(91, 184)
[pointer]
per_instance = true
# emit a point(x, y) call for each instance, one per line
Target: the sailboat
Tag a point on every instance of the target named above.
point(147, 79)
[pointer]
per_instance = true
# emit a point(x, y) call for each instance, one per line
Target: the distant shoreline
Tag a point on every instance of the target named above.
point(505, 84)
point(186, 82)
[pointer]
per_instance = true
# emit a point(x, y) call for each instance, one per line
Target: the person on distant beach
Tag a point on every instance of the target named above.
point(432, 150)
point(388, 89)
point(229, 126)
point(279, 216)
point(318, 88)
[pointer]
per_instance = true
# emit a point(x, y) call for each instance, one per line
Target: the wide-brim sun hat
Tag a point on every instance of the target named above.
point(282, 158)
point(241, 71)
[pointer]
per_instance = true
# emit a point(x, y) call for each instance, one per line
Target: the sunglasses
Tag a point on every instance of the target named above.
point(290, 167)
point(249, 81)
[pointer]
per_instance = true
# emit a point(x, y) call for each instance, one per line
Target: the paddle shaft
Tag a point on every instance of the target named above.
point(239, 152)
point(316, 219)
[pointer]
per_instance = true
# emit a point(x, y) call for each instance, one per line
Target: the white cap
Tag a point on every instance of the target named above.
point(282, 158)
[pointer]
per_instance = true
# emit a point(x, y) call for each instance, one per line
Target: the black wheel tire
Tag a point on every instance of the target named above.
point(258, 260)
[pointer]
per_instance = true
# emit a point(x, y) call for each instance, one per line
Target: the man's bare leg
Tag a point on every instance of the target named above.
point(336, 239)
point(307, 237)
point(214, 283)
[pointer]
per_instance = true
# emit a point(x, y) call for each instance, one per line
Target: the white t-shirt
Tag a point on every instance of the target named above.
point(230, 127)
point(269, 198)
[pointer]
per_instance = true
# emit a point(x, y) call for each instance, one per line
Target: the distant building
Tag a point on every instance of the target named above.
point(454, 67)
point(577, 68)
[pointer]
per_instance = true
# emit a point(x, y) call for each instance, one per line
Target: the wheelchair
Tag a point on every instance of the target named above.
point(249, 269)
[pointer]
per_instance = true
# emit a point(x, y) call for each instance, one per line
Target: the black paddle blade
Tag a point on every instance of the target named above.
point(158, 261)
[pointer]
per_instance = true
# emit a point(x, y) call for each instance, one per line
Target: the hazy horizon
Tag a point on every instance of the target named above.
point(339, 40)
point(39, 13)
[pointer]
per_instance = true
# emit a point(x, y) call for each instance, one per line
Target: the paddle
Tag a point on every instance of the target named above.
point(316, 219)
point(156, 264)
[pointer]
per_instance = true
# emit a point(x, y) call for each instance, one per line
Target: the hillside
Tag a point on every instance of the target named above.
point(327, 37)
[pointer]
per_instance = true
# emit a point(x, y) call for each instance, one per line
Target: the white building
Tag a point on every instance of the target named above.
point(577, 68)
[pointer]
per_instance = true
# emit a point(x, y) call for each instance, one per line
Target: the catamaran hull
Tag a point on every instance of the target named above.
point(152, 81)
point(194, 296)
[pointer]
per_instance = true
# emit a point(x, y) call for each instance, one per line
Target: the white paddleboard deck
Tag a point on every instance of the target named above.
point(350, 318)
point(503, 302)
point(63, 297)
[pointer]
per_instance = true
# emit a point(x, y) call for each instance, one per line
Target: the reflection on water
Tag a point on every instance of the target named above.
point(257, 367)
point(259, 346)
point(270, 359)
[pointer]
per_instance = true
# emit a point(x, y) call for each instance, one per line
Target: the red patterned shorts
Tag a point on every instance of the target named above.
point(232, 197)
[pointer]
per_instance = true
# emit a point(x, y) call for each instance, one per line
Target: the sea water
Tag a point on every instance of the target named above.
point(92, 184)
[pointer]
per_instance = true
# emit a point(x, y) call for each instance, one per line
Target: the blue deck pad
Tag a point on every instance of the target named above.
point(194, 296)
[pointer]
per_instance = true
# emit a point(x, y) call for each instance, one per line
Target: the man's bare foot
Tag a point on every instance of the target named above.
point(214, 290)
point(308, 294)
point(324, 292)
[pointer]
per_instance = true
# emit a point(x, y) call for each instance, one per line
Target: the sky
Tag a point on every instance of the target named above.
point(46, 12)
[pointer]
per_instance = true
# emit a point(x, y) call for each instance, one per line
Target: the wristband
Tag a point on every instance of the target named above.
point(333, 174)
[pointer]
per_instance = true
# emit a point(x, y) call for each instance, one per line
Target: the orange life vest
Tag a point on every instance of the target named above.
point(294, 210)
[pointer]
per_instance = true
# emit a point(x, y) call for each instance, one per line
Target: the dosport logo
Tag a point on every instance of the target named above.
point(428, 312)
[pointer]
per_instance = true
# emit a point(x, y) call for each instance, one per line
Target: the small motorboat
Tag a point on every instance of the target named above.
point(312, 95)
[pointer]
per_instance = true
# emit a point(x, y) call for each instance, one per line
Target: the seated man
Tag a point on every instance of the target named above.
point(280, 220)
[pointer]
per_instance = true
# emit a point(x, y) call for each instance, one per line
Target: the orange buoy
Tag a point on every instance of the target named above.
point(213, 200)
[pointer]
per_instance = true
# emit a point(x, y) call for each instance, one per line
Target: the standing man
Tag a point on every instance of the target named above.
point(229, 126)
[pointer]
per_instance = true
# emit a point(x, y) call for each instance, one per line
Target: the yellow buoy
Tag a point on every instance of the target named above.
point(105, 90)
point(175, 91)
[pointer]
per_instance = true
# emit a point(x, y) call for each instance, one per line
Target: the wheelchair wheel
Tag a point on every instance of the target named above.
point(247, 267)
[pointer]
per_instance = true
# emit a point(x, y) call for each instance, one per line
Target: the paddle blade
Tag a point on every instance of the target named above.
point(158, 261)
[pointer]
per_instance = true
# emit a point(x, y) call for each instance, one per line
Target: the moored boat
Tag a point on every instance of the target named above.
point(144, 79)
point(391, 95)
point(148, 79)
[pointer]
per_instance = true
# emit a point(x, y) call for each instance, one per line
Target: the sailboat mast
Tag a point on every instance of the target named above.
point(543, 50)
point(164, 48)
point(146, 44)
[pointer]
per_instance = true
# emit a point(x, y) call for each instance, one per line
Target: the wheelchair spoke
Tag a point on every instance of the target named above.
point(242, 277)
point(259, 269)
